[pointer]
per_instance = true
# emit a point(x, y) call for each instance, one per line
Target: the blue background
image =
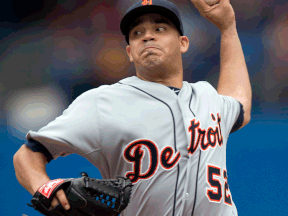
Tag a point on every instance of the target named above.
point(68, 44)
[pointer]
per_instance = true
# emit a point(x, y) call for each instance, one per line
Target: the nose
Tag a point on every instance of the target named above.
point(148, 36)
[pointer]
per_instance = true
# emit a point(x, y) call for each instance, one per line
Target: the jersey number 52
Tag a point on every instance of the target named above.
point(217, 191)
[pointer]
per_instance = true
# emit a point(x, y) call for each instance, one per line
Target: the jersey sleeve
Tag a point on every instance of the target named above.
point(75, 131)
point(231, 110)
point(38, 147)
point(240, 119)
point(232, 113)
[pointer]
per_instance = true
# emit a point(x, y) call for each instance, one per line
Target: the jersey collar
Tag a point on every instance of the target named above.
point(156, 89)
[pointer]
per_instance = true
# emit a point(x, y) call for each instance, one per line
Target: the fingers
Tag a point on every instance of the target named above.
point(199, 4)
point(63, 199)
point(60, 197)
point(202, 6)
point(54, 203)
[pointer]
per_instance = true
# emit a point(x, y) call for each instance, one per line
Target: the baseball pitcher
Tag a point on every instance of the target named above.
point(162, 135)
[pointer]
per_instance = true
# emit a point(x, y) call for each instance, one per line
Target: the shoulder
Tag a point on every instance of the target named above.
point(204, 88)
point(103, 90)
point(204, 85)
point(93, 92)
point(104, 93)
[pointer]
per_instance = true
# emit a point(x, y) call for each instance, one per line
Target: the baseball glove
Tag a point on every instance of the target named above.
point(86, 196)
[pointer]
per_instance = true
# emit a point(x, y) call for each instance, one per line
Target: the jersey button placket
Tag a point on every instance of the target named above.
point(185, 195)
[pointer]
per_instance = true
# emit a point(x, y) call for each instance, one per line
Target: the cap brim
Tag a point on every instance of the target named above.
point(131, 16)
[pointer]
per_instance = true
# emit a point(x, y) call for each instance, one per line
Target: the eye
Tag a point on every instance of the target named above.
point(136, 33)
point(161, 29)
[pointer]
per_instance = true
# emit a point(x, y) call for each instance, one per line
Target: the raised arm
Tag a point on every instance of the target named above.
point(30, 171)
point(234, 78)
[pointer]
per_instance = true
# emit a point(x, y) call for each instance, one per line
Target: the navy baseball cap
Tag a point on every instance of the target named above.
point(162, 7)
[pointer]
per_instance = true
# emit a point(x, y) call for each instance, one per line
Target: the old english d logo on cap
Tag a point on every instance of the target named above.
point(146, 2)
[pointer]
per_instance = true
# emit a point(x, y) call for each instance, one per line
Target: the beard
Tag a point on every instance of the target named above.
point(154, 65)
point(151, 63)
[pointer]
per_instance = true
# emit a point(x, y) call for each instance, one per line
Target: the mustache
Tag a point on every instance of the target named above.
point(150, 45)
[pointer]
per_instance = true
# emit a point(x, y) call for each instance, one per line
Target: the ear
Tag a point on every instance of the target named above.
point(184, 44)
point(128, 50)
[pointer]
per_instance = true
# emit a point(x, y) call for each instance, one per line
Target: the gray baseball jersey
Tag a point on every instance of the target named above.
point(172, 147)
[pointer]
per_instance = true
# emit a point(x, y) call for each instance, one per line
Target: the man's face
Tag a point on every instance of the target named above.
point(154, 40)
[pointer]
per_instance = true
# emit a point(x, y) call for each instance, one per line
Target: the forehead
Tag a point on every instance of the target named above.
point(152, 18)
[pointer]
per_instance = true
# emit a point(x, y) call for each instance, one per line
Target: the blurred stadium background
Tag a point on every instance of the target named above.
point(51, 51)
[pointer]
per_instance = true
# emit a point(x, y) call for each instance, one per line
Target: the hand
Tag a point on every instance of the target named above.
point(60, 197)
point(222, 15)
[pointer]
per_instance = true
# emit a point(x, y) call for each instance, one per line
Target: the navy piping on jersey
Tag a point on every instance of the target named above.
point(174, 140)
point(196, 183)
point(239, 121)
point(38, 147)
point(176, 90)
point(237, 124)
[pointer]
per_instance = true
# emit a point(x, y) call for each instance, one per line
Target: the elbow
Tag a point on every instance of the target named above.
point(17, 160)
point(16, 165)
point(247, 106)
point(247, 116)
point(17, 155)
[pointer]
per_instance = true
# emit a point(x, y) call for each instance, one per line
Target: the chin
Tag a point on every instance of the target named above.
point(152, 61)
